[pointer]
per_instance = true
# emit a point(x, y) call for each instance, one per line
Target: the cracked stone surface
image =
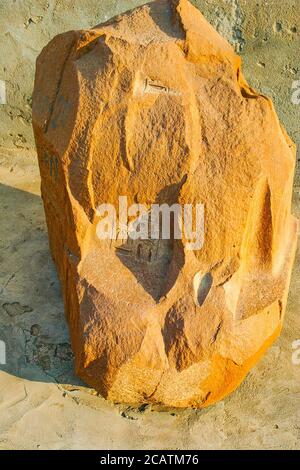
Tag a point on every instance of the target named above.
point(48, 408)
point(153, 105)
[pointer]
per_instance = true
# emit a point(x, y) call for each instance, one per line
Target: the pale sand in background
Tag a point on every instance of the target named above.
point(42, 404)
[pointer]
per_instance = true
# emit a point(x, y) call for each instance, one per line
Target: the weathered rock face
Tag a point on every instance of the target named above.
point(153, 106)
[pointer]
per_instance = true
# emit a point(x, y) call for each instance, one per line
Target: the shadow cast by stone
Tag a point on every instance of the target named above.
point(32, 321)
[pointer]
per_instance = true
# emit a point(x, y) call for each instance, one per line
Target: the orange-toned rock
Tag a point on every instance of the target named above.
point(153, 106)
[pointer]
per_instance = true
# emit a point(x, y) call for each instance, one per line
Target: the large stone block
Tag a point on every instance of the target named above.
point(153, 106)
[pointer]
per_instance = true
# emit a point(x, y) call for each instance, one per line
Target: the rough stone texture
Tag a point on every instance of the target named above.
point(265, 33)
point(99, 133)
point(263, 413)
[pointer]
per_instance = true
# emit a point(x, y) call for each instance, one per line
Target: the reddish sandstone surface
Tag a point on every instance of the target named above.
point(153, 105)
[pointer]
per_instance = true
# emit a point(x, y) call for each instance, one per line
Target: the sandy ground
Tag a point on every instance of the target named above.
point(42, 404)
